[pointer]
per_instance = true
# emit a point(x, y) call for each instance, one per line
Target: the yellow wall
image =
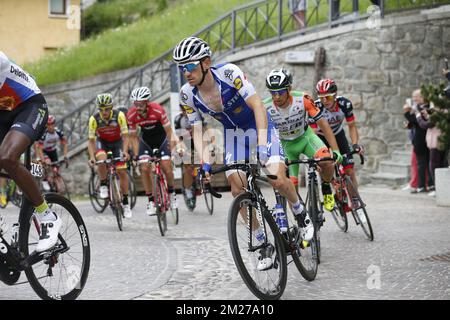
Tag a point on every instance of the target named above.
point(27, 31)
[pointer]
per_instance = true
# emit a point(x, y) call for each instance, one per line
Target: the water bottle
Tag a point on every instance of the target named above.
point(280, 217)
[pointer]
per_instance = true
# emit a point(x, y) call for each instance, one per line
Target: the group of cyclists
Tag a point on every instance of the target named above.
point(285, 125)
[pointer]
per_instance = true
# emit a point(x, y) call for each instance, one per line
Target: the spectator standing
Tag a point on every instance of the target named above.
point(298, 10)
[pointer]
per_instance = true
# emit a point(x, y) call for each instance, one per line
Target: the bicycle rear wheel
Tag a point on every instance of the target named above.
point(61, 274)
point(98, 204)
point(160, 204)
point(265, 284)
point(116, 199)
point(360, 213)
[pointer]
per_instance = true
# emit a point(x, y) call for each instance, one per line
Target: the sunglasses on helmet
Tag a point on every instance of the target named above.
point(188, 67)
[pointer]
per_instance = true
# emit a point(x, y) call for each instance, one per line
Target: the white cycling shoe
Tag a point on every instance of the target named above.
point(49, 231)
point(151, 209)
point(104, 194)
point(127, 211)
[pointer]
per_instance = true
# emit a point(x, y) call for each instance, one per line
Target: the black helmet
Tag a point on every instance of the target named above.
point(279, 79)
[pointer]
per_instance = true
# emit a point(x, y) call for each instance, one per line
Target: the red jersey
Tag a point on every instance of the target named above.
point(152, 125)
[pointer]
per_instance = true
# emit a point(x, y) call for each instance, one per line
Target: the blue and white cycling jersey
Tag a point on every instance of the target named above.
point(16, 85)
point(236, 116)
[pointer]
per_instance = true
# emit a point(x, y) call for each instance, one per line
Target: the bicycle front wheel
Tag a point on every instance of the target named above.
point(132, 189)
point(209, 200)
point(359, 210)
point(63, 271)
point(268, 283)
point(116, 199)
point(98, 204)
point(304, 253)
point(313, 207)
point(160, 203)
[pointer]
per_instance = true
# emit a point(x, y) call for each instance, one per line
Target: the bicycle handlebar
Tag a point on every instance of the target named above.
point(307, 161)
point(352, 152)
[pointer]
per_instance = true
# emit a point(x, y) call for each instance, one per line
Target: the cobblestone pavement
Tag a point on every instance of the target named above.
point(407, 259)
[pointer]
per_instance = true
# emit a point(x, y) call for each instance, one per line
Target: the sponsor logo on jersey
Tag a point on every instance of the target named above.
point(19, 73)
point(229, 74)
point(237, 110)
point(184, 97)
point(188, 109)
point(238, 82)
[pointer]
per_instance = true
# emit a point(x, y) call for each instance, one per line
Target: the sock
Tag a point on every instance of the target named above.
point(125, 199)
point(298, 207)
point(326, 188)
point(44, 212)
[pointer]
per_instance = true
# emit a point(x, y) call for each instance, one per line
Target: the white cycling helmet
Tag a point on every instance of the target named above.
point(139, 94)
point(191, 49)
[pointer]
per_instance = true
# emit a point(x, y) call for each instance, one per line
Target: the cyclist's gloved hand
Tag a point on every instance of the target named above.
point(262, 155)
point(206, 168)
point(337, 156)
point(358, 148)
point(92, 162)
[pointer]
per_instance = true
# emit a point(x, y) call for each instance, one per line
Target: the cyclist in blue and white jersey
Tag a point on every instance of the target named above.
point(225, 93)
point(23, 117)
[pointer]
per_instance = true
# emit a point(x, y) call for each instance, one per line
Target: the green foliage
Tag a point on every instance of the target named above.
point(441, 117)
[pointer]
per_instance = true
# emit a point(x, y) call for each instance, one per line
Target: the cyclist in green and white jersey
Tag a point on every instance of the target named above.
point(290, 110)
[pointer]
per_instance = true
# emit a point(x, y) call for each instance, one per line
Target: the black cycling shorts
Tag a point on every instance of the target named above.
point(115, 147)
point(29, 117)
point(146, 150)
point(52, 155)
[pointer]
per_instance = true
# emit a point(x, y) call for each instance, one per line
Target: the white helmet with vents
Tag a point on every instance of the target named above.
point(139, 94)
point(191, 49)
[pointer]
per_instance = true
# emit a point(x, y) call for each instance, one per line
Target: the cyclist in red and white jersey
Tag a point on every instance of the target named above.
point(23, 117)
point(155, 133)
point(335, 110)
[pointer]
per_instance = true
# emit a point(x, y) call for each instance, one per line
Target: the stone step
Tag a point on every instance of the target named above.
point(402, 156)
point(395, 167)
point(393, 180)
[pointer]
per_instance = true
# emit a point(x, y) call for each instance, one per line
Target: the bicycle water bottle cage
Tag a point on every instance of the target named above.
point(109, 155)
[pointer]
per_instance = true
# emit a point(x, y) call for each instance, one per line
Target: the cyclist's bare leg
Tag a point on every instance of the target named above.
point(351, 173)
point(187, 176)
point(14, 144)
point(123, 176)
point(101, 168)
point(283, 184)
point(166, 166)
point(326, 170)
point(146, 177)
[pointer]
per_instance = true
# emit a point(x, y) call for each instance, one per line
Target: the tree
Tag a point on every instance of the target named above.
point(441, 117)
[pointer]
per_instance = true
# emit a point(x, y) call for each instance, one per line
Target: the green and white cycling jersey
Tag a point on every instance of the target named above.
point(292, 121)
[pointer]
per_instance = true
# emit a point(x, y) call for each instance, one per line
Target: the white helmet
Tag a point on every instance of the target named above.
point(142, 93)
point(191, 49)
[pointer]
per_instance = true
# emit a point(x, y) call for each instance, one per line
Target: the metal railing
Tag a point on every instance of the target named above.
point(250, 25)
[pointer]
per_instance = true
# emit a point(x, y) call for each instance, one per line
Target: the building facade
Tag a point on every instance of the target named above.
point(29, 29)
